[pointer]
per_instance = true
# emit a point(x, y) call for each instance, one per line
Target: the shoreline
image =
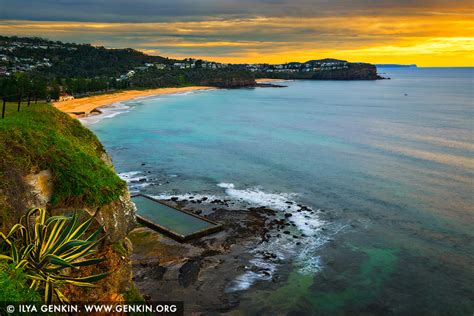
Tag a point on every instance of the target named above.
point(88, 106)
point(270, 80)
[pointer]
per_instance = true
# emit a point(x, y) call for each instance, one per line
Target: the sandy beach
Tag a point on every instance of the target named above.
point(85, 106)
point(269, 80)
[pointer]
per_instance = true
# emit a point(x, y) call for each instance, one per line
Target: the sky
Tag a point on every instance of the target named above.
point(422, 32)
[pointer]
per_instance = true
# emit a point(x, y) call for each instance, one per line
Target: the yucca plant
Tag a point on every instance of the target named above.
point(46, 248)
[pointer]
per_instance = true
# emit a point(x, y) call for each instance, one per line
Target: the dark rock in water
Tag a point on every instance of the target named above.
point(294, 236)
point(298, 243)
point(198, 212)
point(288, 215)
point(289, 202)
point(204, 198)
point(174, 198)
point(286, 232)
point(188, 273)
point(143, 163)
point(191, 197)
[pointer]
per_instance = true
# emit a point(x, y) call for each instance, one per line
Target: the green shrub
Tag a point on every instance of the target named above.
point(46, 248)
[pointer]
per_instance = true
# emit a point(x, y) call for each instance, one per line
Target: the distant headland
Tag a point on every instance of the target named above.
point(40, 68)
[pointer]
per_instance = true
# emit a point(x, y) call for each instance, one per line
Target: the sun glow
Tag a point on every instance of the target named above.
point(427, 40)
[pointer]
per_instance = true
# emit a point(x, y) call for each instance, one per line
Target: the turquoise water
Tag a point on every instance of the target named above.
point(391, 162)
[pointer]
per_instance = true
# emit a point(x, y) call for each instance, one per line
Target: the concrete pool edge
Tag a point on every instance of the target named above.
point(168, 232)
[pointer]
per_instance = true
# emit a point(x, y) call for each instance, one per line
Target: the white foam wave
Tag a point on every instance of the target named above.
point(257, 197)
point(187, 196)
point(108, 111)
point(135, 180)
point(307, 226)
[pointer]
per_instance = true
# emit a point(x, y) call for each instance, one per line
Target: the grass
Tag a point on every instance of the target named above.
point(40, 137)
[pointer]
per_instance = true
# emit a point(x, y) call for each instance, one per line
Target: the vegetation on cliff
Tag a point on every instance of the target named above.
point(47, 247)
point(40, 137)
point(51, 161)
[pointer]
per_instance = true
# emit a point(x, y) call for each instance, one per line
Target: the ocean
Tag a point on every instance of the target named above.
point(387, 166)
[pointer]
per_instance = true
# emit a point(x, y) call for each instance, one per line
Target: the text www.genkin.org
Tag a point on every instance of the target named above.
point(168, 308)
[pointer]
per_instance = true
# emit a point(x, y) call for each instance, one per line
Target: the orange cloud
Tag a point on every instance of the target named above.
point(432, 39)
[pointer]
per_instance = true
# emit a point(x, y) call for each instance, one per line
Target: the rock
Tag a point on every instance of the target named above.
point(286, 232)
point(288, 215)
point(117, 217)
point(174, 198)
point(41, 188)
point(189, 272)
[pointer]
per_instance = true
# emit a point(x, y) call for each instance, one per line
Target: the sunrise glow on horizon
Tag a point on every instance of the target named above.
point(426, 33)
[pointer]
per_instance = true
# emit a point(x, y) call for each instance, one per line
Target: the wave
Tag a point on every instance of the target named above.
point(187, 197)
point(107, 111)
point(276, 201)
point(135, 180)
point(303, 250)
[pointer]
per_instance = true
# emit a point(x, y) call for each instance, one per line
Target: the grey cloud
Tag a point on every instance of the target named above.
point(165, 10)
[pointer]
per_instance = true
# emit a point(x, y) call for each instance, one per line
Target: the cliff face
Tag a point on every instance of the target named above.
point(355, 71)
point(231, 82)
point(51, 161)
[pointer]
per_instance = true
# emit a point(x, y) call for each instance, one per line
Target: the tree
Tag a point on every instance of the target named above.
point(55, 90)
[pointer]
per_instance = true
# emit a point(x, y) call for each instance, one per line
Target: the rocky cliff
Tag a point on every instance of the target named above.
point(231, 82)
point(355, 71)
point(350, 71)
point(50, 160)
